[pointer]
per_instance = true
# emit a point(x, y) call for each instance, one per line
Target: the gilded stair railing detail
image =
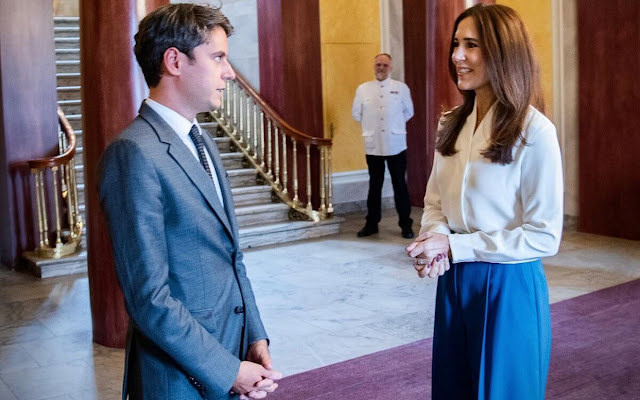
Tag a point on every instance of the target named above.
point(55, 177)
point(265, 140)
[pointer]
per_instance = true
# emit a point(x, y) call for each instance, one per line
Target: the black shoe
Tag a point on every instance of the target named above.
point(407, 232)
point(367, 231)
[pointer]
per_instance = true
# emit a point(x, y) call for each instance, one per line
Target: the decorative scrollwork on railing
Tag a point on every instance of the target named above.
point(271, 146)
point(56, 193)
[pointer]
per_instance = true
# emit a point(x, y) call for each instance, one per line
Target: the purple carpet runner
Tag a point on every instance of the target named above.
point(595, 355)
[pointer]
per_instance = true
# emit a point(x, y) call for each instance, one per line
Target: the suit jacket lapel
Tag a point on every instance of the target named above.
point(188, 163)
point(225, 188)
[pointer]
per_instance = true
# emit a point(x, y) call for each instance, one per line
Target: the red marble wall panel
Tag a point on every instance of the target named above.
point(291, 70)
point(271, 54)
point(427, 32)
point(112, 91)
point(609, 121)
point(28, 119)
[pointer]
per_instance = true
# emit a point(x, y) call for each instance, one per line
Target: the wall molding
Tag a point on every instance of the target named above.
point(350, 191)
point(565, 96)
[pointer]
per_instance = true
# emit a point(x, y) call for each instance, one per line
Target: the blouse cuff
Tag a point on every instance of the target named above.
point(459, 251)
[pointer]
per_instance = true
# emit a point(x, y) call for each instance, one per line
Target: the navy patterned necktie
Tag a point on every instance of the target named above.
point(195, 136)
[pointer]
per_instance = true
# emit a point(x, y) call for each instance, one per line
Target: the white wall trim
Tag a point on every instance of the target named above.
point(558, 68)
point(353, 186)
point(385, 36)
point(564, 51)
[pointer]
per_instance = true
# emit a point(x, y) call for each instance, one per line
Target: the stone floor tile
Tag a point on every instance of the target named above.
point(14, 357)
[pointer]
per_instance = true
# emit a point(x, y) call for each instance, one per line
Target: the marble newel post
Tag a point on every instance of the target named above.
point(112, 90)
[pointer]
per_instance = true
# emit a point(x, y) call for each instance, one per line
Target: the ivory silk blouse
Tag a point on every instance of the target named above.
point(498, 213)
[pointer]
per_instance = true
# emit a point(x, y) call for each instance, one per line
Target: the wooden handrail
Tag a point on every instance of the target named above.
point(56, 194)
point(293, 132)
point(69, 152)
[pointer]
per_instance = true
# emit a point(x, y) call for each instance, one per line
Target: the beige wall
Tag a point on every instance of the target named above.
point(350, 39)
point(66, 8)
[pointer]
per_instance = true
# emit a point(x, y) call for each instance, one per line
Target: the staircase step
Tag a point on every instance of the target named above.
point(283, 232)
point(79, 172)
point(67, 42)
point(66, 31)
point(65, 21)
point(242, 177)
point(210, 127)
point(67, 66)
point(80, 187)
point(262, 214)
point(79, 143)
point(67, 54)
point(69, 93)
point(232, 160)
point(75, 120)
point(70, 107)
point(68, 79)
point(248, 195)
point(48, 267)
point(223, 143)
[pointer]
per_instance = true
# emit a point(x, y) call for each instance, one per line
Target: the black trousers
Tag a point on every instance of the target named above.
point(397, 169)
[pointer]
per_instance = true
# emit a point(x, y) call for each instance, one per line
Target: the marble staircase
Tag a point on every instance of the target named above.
point(262, 218)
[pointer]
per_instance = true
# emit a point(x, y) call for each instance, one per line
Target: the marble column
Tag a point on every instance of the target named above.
point(291, 68)
point(112, 90)
point(427, 32)
point(28, 120)
point(608, 118)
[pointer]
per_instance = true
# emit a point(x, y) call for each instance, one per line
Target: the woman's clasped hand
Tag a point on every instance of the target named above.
point(430, 253)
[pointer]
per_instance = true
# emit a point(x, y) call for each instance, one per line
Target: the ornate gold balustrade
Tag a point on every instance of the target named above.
point(272, 147)
point(56, 197)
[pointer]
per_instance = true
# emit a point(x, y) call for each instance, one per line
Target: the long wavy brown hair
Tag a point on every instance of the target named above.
point(514, 76)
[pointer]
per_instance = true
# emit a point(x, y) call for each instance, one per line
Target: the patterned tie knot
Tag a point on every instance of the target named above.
point(195, 136)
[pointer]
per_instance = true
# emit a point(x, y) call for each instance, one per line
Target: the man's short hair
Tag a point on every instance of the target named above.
point(183, 26)
point(384, 54)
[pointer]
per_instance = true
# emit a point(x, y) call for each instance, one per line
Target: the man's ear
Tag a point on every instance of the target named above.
point(171, 61)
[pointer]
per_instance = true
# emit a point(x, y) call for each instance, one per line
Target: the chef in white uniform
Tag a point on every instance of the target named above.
point(383, 106)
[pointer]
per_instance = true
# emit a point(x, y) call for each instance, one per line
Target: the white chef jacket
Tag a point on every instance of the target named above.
point(498, 213)
point(383, 108)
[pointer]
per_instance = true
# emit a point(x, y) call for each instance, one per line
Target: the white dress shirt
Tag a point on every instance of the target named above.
point(498, 213)
point(182, 127)
point(383, 108)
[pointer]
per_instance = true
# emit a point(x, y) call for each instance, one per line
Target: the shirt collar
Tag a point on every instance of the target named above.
point(384, 82)
point(177, 122)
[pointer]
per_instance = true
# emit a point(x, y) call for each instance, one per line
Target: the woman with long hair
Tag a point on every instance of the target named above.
point(493, 208)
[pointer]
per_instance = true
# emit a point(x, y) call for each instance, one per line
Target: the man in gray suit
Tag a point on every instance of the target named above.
point(195, 330)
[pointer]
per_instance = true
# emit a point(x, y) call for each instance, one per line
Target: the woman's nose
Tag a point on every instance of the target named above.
point(458, 54)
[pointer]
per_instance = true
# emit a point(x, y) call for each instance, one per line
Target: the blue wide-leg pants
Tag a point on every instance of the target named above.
point(492, 334)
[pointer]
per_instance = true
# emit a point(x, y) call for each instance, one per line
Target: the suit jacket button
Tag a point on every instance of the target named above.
point(238, 310)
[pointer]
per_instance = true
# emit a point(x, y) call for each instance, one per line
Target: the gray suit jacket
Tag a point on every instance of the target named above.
point(192, 309)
